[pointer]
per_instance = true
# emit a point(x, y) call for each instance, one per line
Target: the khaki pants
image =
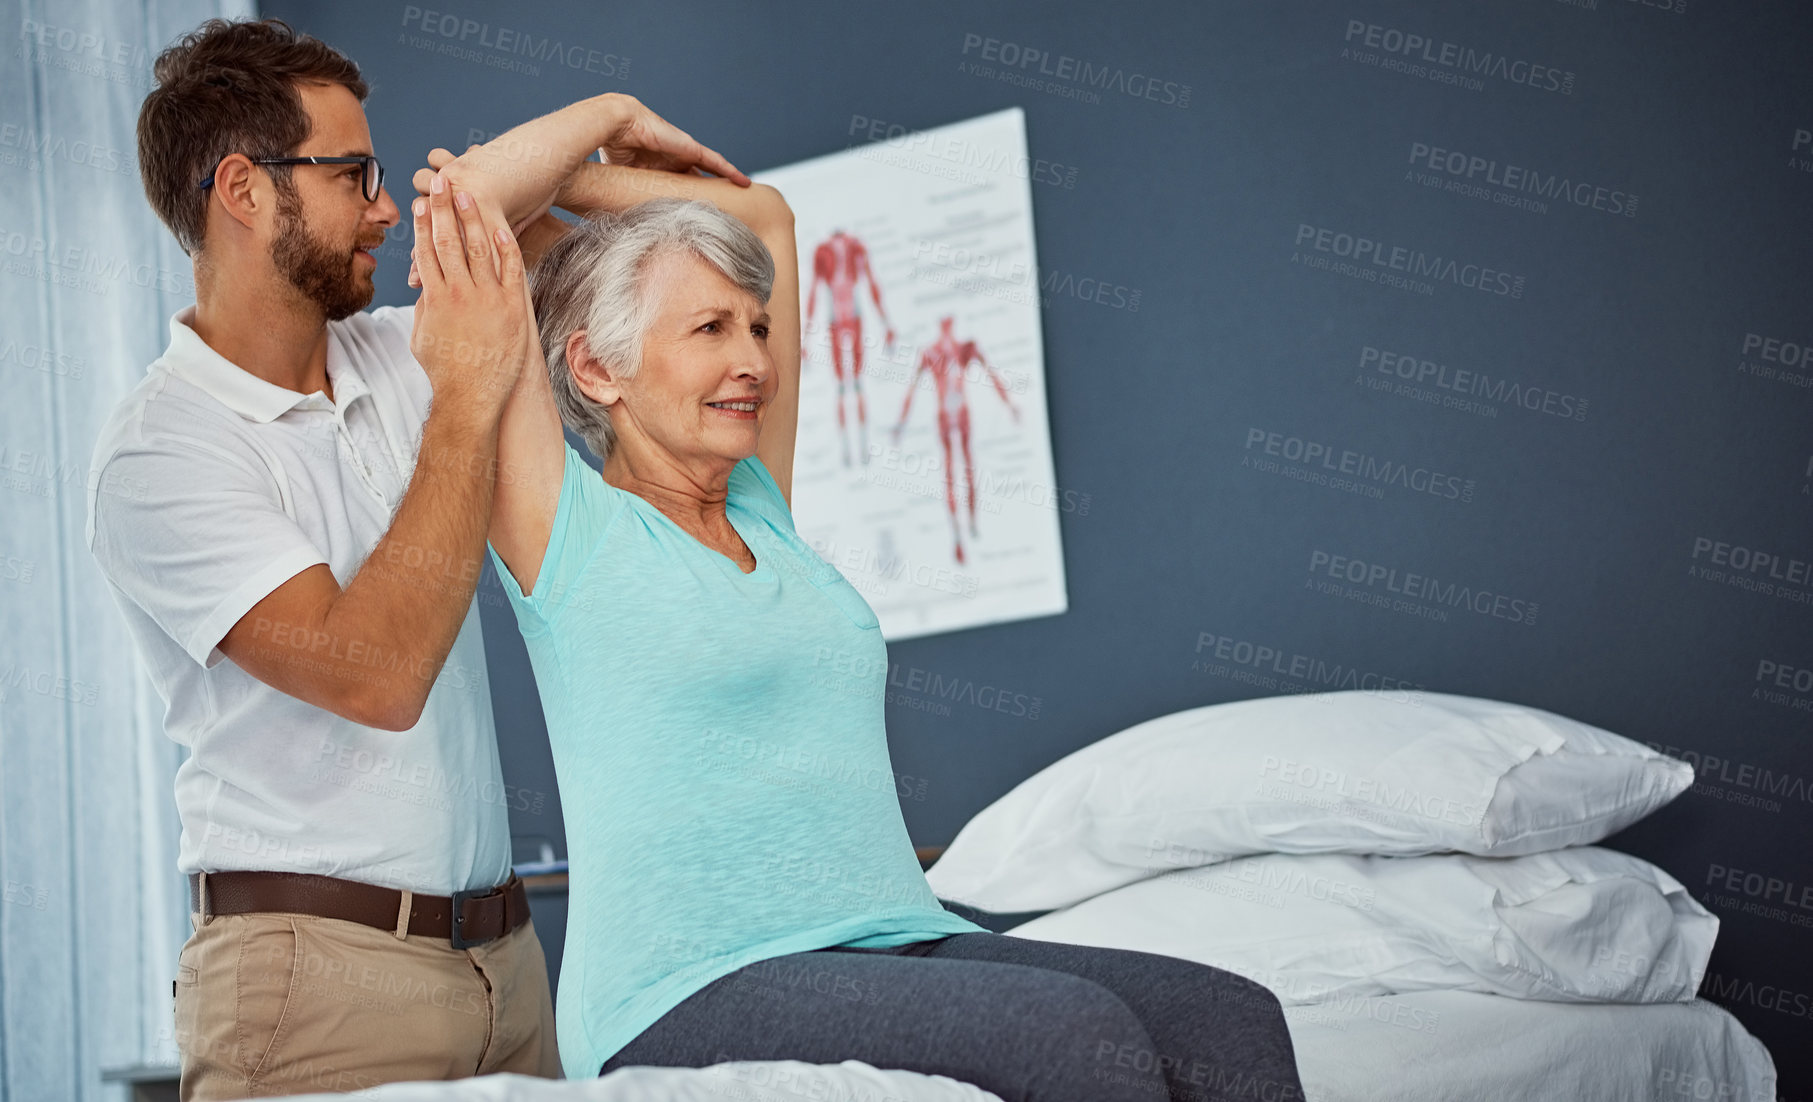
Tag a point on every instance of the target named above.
point(272, 1004)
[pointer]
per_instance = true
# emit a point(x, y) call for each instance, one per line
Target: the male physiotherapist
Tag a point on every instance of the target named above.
point(298, 577)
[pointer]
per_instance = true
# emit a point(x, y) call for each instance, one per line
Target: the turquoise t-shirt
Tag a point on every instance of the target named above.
point(721, 749)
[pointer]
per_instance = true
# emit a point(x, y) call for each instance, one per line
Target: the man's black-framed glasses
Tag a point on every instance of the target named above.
point(371, 173)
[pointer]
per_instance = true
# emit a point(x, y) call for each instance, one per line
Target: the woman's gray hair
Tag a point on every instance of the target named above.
point(594, 278)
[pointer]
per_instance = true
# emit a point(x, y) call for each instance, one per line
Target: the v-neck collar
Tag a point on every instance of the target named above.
point(764, 569)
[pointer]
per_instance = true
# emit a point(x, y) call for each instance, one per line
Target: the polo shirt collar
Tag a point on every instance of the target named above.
point(348, 384)
point(190, 357)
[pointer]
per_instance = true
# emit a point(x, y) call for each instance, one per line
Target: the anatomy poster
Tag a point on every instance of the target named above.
point(923, 470)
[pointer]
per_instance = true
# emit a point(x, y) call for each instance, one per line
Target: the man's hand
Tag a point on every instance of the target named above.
point(472, 323)
point(643, 139)
point(533, 234)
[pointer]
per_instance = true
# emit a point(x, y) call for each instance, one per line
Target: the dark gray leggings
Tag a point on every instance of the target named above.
point(1032, 1021)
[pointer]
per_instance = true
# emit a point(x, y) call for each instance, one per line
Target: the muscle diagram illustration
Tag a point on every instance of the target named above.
point(838, 263)
point(947, 359)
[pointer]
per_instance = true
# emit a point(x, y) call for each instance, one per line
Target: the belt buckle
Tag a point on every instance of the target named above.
point(455, 935)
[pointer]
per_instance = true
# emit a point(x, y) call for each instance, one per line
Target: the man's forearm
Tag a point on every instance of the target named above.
point(412, 593)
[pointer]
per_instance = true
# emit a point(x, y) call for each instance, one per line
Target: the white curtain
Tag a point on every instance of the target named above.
point(93, 912)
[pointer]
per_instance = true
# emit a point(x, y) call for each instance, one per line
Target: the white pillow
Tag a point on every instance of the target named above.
point(1347, 772)
point(1575, 925)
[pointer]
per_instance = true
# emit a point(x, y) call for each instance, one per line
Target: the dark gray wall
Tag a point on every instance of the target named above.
point(1674, 429)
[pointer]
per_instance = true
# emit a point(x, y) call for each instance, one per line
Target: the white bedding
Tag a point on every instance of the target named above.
point(743, 1081)
point(1395, 773)
point(1461, 1046)
point(1431, 1046)
point(1586, 924)
point(1336, 928)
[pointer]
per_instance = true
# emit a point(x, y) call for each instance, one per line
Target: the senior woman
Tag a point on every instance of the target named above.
point(742, 885)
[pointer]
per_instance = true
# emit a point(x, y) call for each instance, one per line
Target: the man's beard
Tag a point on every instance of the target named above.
point(323, 274)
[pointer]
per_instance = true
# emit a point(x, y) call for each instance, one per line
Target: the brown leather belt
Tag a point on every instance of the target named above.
point(482, 915)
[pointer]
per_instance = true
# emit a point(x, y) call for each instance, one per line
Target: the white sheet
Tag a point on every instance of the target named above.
point(1460, 1046)
point(741, 1081)
point(1431, 1046)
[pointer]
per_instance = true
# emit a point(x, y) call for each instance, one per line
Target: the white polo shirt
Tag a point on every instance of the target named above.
point(209, 488)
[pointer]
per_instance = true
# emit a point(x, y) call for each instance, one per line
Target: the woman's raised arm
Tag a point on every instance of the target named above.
point(531, 450)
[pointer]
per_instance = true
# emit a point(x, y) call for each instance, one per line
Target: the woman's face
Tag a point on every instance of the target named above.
point(705, 361)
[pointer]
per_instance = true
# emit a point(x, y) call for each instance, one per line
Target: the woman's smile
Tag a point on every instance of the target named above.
point(741, 411)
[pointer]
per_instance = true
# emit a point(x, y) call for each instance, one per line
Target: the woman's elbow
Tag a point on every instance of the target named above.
point(770, 210)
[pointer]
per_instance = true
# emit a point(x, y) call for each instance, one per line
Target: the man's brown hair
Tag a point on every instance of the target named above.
point(228, 87)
